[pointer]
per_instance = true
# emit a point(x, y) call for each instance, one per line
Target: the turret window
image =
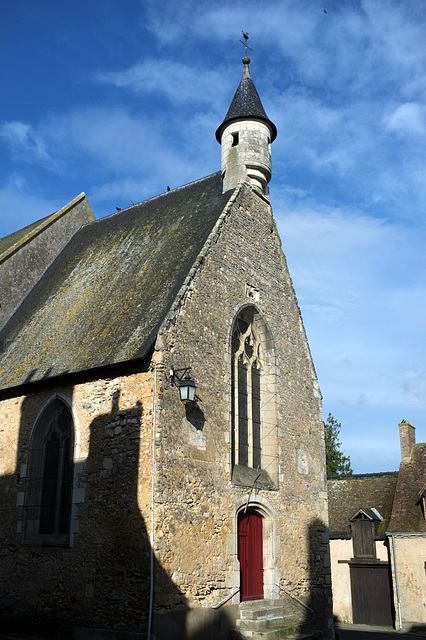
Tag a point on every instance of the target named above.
point(235, 139)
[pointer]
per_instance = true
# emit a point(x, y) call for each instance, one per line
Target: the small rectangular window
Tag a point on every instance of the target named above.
point(235, 139)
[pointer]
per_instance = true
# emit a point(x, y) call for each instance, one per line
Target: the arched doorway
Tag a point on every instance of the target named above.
point(250, 554)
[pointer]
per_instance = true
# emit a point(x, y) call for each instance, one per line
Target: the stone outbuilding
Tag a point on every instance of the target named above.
point(124, 507)
point(378, 542)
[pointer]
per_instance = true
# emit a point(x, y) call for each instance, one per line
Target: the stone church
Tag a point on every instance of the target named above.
point(161, 432)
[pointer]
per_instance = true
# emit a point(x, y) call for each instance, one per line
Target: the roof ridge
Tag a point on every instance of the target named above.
point(363, 475)
point(158, 196)
point(36, 229)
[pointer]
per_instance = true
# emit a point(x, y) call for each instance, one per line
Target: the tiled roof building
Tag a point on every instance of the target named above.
point(392, 509)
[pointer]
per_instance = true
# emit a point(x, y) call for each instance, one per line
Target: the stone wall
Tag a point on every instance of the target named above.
point(195, 498)
point(102, 578)
point(410, 551)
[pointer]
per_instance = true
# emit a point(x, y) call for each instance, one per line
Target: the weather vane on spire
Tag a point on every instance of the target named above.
point(246, 37)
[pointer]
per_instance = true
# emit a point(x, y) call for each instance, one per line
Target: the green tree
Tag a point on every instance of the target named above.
point(337, 463)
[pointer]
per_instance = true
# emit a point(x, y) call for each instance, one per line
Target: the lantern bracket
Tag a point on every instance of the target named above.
point(176, 375)
point(182, 379)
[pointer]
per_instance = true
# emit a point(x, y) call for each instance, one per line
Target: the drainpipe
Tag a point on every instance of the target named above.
point(396, 581)
point(151, 537)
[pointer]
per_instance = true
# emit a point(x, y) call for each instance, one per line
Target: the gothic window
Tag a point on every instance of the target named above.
point(49, 481)
point(253, 419)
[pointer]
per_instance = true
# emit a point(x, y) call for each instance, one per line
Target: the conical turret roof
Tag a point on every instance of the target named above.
point(246, 104)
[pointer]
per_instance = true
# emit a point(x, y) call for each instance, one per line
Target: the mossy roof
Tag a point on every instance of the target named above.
point(348, 494)
point(105, 296)
point(407, 514)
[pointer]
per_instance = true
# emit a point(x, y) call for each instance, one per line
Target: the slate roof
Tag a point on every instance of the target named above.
point(407, 515)
point(105, 296)
point(246, 104)
point(348, 494)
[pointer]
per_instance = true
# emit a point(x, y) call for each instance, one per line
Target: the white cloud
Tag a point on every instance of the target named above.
point(26, 144)
point(407, 118)
point(178, 82)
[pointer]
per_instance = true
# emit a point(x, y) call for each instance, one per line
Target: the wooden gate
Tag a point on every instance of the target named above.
point(250, 555)
point(371, 594)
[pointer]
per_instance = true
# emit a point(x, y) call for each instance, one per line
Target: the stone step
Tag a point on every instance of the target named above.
point(272, 634)
point(261, 611)
point(249, 604)
point(266, 623)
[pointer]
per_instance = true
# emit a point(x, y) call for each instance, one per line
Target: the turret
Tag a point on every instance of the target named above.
point(246, 135)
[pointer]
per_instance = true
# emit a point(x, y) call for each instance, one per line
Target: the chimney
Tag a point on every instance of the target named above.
point(407, 439)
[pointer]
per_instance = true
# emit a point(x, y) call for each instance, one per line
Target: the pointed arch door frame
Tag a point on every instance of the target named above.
point(269, 549)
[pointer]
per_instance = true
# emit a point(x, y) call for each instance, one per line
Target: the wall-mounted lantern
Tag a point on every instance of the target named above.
point(186, 385)
point(187, 389)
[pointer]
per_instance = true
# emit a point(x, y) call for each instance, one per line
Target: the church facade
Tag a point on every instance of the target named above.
point(124, 507)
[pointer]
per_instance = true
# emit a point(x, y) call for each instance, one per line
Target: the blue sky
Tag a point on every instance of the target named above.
point(121, 98)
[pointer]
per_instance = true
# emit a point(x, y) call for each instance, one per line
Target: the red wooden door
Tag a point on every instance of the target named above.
point(250, 555)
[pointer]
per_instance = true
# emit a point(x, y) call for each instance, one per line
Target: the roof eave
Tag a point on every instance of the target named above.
point(227, 122)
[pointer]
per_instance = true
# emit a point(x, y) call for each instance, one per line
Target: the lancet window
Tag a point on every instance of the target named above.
point(252, 396)
point(49, 481)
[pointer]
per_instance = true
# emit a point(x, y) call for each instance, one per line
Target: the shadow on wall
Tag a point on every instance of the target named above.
point(103, 580)
point(314, 612)
point(320, 613)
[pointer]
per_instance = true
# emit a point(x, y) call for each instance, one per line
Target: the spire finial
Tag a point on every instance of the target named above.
point(246, 37)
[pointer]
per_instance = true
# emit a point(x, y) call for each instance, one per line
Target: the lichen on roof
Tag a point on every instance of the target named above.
point(407, 514)
point(104, 297)
point(348, 494)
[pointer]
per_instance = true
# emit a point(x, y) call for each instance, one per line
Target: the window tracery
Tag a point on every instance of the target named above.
point(253, 416)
